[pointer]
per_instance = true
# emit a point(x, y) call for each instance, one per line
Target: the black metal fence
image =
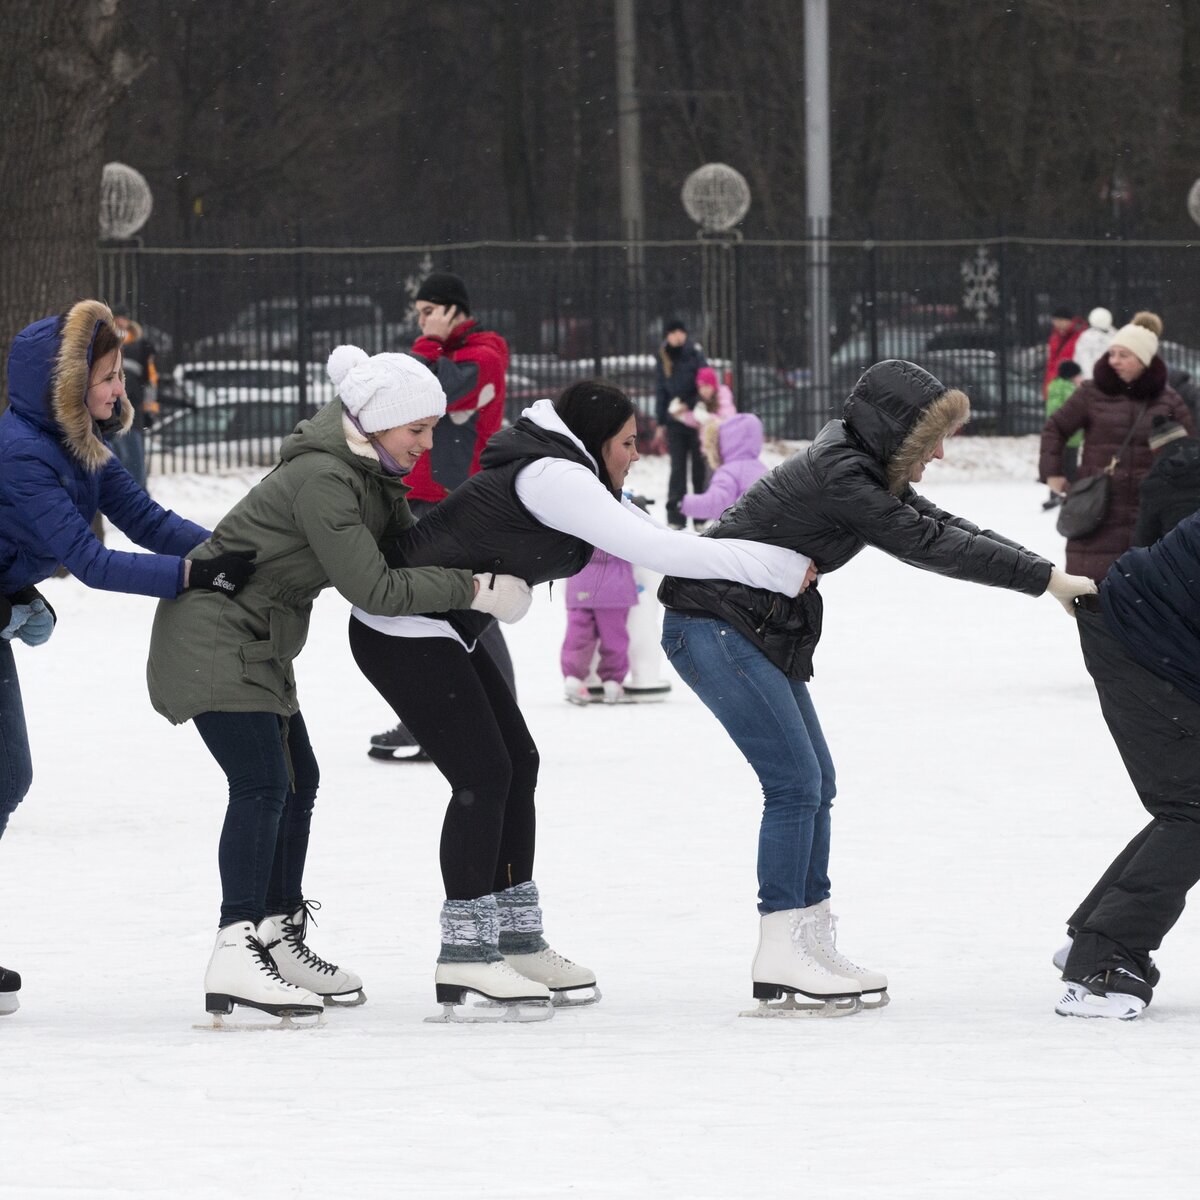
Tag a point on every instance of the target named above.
point(242, 333)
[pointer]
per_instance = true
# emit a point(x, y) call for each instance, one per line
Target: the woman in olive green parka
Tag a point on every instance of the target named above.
point(226, 661)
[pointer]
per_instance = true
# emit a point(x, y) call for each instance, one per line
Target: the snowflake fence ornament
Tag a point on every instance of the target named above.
point(981, 284)
point(125, 201)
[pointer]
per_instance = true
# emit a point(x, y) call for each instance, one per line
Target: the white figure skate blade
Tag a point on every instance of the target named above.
point(522, 1012)
point(790, 1008)
point(347, 1000)
point(219, 1023)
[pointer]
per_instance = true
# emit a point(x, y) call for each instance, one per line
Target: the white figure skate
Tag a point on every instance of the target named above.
point(786, 966)
point(507, 994)
point(283, 936)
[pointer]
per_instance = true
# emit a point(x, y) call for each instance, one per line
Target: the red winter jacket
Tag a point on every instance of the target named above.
point(470, 365)
point(1059, 348)
point(1105, 409)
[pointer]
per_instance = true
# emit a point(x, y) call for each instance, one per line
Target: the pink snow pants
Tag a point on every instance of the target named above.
point(585, 628)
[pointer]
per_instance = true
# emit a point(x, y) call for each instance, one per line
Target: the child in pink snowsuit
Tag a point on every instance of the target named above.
point(598, 602)
point(732, 448)
point(716, 400)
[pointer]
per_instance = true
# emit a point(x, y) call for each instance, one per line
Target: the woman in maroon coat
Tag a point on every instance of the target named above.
point(1129, 385)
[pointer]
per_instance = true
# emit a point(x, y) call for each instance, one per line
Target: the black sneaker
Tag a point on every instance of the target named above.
point(397, 745)
point(10, 985)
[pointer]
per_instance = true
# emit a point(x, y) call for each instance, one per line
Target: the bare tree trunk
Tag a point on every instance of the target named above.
point(63, 70)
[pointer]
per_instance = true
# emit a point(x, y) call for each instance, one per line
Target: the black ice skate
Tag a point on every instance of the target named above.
point(10, 985)
point(396, 745)
point(1119, 993)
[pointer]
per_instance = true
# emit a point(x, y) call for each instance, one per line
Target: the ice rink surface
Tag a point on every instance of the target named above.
point(979, 796)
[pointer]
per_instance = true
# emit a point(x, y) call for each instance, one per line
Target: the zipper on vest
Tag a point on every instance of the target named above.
point(770, 614)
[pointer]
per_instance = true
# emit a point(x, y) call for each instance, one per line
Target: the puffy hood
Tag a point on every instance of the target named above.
point(740, 437)
point(48, 370)
point(899, 412)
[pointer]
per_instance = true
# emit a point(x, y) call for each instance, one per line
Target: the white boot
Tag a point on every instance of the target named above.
point(470, 961)
point(825, 951)
point(786, 962)
point(283, 936)
point(613, 692)
point(576, 691)
point(522, 942)
point(559, 974)
point(241, 971)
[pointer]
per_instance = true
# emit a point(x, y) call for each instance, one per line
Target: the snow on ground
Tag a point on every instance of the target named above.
point(980, 795)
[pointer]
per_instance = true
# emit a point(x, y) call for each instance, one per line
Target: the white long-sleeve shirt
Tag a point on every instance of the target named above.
point(570, 498)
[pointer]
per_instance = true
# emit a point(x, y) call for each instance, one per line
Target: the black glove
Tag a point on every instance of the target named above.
point(226, 573)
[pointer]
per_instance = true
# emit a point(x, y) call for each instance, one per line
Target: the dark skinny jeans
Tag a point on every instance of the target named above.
point(264, 840)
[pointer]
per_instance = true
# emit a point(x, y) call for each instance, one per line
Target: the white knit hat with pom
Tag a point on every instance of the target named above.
point(383, 391)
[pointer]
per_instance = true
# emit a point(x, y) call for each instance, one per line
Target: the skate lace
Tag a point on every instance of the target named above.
point(294, 935)
point(262, 951)
point(554, 959)
point(827, 935)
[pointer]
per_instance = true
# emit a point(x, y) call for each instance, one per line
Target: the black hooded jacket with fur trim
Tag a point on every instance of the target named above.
point(847, 490)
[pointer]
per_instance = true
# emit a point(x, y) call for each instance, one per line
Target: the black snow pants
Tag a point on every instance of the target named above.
point(1156, 728)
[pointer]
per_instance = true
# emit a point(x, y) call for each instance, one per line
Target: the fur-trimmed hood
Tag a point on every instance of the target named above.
point(48, 371)
point(899, 412)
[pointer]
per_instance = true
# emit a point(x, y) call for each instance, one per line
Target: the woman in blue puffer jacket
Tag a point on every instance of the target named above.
point(66, 393)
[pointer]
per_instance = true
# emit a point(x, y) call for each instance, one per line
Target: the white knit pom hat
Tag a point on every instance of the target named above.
point(1100, 318)
point(383, 391)
point(1138, 340)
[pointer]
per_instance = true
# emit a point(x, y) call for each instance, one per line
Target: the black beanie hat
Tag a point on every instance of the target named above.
point(1069, 368)
point(674, 324)
point(444, 288)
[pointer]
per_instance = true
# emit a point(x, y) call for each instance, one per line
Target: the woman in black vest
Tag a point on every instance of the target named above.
point(548, 494)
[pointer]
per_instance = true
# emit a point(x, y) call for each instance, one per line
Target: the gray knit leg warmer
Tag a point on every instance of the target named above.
point(469, 931)
point(520, 920)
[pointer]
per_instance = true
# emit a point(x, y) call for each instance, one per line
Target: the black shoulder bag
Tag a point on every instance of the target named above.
point(1086, 505)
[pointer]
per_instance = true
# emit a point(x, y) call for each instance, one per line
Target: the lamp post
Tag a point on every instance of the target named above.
point(717, 198)
point(125, 206)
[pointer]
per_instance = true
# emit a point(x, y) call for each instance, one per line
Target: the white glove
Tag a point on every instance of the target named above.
point(506, 597)
point(1064, 588)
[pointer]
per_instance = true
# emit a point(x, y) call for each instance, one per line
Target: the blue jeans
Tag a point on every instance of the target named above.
point(772, 721)
point(16, 765)
point(273, 778)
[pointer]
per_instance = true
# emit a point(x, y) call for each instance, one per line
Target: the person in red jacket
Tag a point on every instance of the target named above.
point(1060, 346)
point(470, 363)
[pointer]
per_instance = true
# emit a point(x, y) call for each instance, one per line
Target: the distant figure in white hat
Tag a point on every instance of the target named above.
point(1094, 341)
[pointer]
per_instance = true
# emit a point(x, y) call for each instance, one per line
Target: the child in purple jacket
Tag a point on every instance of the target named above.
point(598, 602)
point(732, 448)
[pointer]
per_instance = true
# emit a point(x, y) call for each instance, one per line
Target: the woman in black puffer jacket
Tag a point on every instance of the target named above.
point(748, 654)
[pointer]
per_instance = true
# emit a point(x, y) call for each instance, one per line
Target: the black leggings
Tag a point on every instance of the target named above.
point(462, 712)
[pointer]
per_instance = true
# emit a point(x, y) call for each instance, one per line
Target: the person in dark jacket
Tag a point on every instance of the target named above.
point(66, 395)
point(470, 363)
point(748, 654)
point(1127, 391)
point(679, 359)
point(549, 494)
point(1172, 489)
point(1141, 645)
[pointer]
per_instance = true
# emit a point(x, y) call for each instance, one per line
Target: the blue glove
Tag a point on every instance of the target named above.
point(38, 626)
point(20, 614)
